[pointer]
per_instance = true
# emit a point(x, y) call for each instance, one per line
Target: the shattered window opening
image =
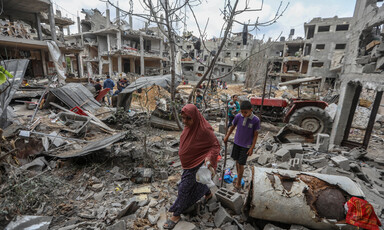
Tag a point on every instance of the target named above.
point(342, 27)
point(340, 46)
point(320, 46)
point(323, 28)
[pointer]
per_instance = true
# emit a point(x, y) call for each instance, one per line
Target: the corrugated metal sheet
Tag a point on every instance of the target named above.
point(75, 94)
point(91, 147)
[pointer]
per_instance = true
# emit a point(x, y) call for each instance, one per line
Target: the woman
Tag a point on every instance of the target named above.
point(198, 146)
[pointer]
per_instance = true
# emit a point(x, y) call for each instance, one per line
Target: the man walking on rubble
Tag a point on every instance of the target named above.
point(245, 138)
point(108, 83)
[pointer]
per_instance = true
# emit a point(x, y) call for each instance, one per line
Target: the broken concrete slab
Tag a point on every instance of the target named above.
point(30, 222)
point(317, 162)
point(357, 153)
point(222, 217)
point(142, 190)
point(293, 148)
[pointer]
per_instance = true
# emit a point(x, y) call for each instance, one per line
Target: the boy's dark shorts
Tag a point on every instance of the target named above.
point(239, 154)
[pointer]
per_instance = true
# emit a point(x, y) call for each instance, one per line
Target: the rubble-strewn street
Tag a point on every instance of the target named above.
point(97, 130)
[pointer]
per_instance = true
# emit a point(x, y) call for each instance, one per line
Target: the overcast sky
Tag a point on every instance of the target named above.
point(298, 12)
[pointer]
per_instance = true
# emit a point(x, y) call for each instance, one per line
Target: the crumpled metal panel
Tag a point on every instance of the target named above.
point(271, 200)
point(75, 94)
point(91, 147)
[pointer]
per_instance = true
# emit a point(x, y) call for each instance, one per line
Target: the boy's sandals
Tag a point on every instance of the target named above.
point(169, 224)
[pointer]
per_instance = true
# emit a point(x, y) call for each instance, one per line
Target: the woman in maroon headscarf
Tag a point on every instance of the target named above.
point(198, 146)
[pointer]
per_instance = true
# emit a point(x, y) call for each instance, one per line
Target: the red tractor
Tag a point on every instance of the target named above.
point(308, 114)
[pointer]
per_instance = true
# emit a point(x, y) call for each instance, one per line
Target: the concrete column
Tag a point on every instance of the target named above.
point(71, 65)
point(348, 92)
point(108, 16)
point(68, 30)
point(51, 17)
point(161, 55)
point(38, 27)
point(45, 70)
point(78, 25)
point(118, 43)
point(130, 22)
point(80, 60)
point(118, 14)
point(119, 64)
point(132, 65)
point(142, 69)
point(100, 65)
point(110, 70)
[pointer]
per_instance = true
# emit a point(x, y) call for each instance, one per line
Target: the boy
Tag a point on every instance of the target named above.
point(199, 99)
point(245, 138)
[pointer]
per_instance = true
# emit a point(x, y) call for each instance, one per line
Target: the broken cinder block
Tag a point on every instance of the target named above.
point(342, 162)
point(322, 142)
point(293, 148)
point(283, 154)
point(231, 200)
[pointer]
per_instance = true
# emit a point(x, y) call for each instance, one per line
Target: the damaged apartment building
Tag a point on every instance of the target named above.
point(362, 71)
point(26, 28)
point(319, 54)
point(113, 47)
point(196, 56)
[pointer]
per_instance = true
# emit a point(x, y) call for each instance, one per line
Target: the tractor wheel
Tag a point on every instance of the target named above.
point(313, 119)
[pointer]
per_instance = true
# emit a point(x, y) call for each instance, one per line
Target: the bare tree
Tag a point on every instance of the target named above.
point(166, 14)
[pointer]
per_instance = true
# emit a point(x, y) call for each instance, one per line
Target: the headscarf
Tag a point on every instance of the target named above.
point(197, 142)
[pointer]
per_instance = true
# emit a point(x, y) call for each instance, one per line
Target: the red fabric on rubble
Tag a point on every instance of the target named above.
point(197, 142)
point(361, 214)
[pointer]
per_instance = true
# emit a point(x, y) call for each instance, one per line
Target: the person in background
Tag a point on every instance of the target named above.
point(232, 113)
point(24, 83)
point(108, 83)
point(204, 86)
point(198, 146)
point(225, 85)
point(97, 86)
point(245, 138)
point(199, 99)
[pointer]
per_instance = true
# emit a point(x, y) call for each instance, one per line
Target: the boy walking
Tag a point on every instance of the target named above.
point(245, 138)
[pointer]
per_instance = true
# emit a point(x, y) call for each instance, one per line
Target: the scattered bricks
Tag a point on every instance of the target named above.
point(317, 163)
point(322, 142)
point(341, 161)
point(264, 158)
point(283, 154)
point(293, 148)
point(221, 217)
point(295, 164)
point(231, 200)
point(163, 175)
point(274, 148)
point(171, 151)
point(357, 153)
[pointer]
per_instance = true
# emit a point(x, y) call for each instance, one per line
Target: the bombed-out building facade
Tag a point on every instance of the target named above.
point(230, 65)
point(319, 54)
point(115, 48)
point(362, 71)
point(27, 26)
